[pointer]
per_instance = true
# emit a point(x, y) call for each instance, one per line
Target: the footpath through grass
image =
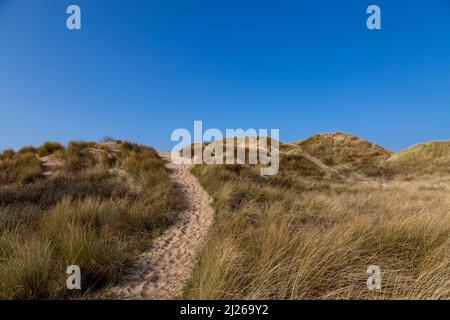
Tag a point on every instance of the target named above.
point(87, 204)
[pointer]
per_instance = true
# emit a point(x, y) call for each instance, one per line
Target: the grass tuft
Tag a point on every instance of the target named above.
point(86, 211)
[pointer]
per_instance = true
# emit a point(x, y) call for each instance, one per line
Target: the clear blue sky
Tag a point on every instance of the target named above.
point(139, 69)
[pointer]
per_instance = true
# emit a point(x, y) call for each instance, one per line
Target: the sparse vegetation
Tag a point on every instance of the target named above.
point(89, 211)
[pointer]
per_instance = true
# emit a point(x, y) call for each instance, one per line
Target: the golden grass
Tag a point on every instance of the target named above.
point(338, 205)
point(345, 151)
point(292, 237)
point(428, 158)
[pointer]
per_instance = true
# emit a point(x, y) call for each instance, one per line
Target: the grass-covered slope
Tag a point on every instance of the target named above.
point(297, 236)
point(87, 204)
point(427, 158)
point(291, 156)
point(341, 150)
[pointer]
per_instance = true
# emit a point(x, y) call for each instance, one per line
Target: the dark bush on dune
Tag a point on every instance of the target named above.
point(49, 148)
point(22, 168)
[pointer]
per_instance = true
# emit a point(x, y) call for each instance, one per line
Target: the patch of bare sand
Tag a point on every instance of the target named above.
point(162, 271)
point(50, 164)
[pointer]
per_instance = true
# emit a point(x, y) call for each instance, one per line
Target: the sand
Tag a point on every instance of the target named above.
point(162, 271)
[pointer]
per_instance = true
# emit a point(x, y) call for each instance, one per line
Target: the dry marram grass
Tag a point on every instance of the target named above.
point(311, 231)
point(91, 205)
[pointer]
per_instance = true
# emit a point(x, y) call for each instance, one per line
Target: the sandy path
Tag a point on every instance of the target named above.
point(162, 271)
